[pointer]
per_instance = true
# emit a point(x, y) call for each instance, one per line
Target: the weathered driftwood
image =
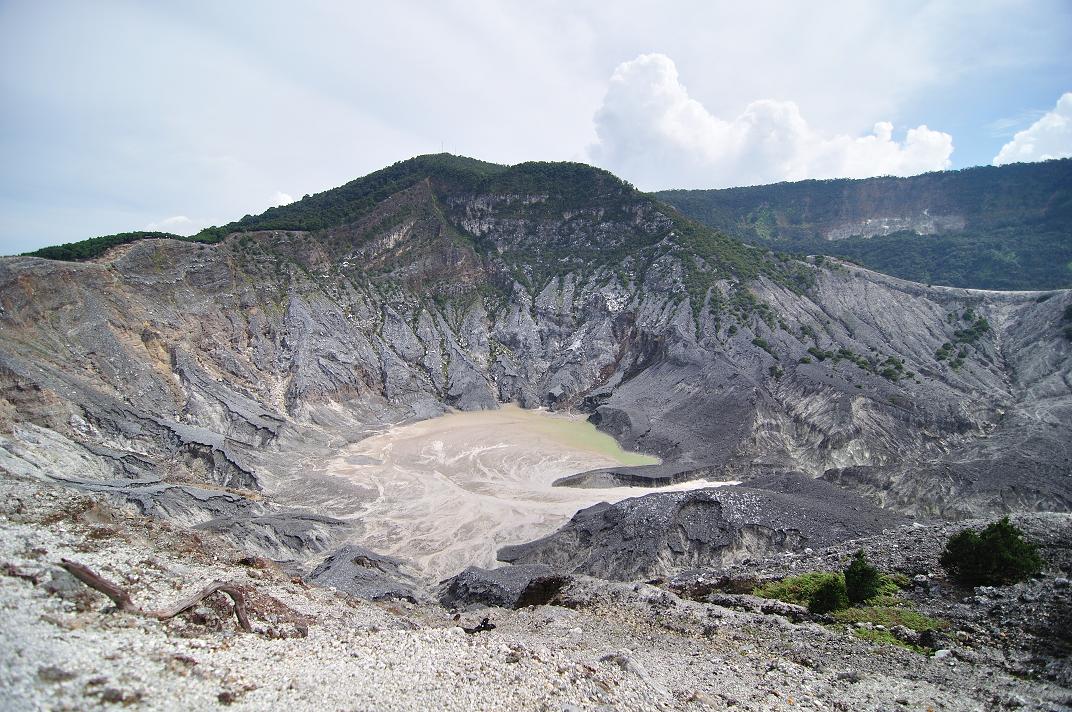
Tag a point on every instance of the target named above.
point(123, 601)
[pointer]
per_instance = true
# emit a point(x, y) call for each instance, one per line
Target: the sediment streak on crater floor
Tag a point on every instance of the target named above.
point(453, 489)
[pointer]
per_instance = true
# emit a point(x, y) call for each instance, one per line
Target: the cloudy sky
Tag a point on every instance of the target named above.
point(173, 116)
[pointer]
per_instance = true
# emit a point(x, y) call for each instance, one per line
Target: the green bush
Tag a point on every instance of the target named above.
point(996, 556)
point(830, 596)
point(804, 589)
point(862, 580)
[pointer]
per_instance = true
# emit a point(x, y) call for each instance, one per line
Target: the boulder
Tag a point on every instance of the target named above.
point(507, 587)
point(365, 574)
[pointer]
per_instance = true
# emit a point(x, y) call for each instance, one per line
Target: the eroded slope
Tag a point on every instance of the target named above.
point(199, 380)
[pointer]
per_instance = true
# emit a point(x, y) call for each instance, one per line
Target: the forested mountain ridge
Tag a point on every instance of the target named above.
point(1007, 227)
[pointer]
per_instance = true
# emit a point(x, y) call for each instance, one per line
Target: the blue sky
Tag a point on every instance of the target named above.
point(123, 116)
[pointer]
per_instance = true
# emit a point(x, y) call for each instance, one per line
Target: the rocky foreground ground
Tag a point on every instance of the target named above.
point(690, 642)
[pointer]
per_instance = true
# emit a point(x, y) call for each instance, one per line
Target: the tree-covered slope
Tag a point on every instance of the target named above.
point(994, 228)
point(563, 185)
point(560, 217)
point(96, 246)
point(1007, 227)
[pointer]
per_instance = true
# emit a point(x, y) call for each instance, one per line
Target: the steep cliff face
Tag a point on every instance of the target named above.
point(207, 381)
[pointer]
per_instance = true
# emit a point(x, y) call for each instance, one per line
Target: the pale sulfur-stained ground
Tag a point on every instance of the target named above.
point(452, 490)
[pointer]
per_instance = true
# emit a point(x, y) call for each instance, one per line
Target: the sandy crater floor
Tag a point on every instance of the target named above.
point(453, 489)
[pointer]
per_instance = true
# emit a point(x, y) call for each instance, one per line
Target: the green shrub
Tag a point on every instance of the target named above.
point(862, 580)
point(996, 556)
point(803, 589)
point(819, 353)
point(830, 596)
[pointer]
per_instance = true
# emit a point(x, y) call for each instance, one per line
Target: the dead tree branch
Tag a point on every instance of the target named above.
point(98, 583)
point(239, 598)
point(123, 601)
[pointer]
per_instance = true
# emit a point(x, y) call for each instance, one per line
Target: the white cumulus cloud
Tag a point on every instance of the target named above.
point(281, 198)
point(1049, 137)
point(652, 132)
point(177, 224)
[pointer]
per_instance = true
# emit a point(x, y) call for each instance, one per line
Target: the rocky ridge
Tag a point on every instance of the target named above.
point(207, 385)
point(204, 381)
point(658, 534)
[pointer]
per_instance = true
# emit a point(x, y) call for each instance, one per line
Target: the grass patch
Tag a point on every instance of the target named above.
point(797, 589)
point(890, 616)
point(891, 584)
point(885, 608)
point(800, 589)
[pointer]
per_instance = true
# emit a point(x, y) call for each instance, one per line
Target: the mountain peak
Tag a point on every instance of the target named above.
point(574, 183)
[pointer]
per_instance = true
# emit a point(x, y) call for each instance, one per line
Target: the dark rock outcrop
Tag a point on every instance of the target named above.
point(506, 587)
point(659, 533)
point(365, 574)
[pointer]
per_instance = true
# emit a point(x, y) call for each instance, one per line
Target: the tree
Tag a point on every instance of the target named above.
point(996, 556)
point(862, 580)
point(830, 596)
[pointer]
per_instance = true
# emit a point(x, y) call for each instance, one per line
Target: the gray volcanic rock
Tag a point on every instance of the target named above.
point(636, 476)
point(366, 574)
point(167, 367)
point(506, 587)
point(279, 535)
point(661, 533)
point(609, 645)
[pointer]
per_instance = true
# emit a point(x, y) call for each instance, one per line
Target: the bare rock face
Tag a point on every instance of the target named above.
point(921, 223)
point(507, 587)
point(365, 574)
point(280, 535)
point(208, 382)
point(661, 533)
